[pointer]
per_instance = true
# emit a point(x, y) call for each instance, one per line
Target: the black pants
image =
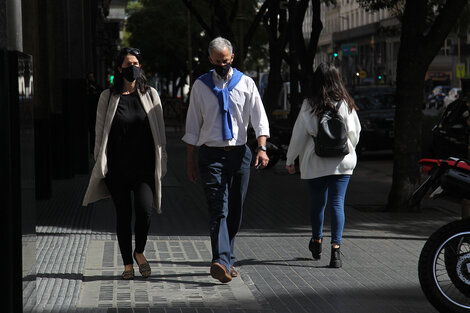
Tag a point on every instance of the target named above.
point(121, 185)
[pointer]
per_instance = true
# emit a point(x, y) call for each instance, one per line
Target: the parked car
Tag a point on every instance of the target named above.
point(376, 113)
point(453, 95)
point(436, 97)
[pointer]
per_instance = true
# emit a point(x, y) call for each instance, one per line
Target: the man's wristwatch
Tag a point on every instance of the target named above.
point(262, 148)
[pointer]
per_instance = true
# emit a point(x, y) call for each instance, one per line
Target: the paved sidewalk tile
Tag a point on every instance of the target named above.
point(378, 275)
point(180, 279)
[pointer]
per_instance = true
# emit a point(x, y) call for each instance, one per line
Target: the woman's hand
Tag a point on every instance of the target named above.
point(290, 168)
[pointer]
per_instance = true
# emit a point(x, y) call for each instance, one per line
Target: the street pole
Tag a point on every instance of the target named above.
point(190, 51)
point(466, 202)
point(458, 58)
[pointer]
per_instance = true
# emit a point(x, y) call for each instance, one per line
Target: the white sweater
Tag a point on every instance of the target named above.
point(301, 145)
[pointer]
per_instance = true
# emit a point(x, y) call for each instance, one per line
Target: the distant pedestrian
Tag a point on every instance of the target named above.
point(327, 177)
point(222, 104)
point(130, 156)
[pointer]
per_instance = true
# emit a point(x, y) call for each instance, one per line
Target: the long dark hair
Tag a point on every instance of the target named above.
point(141, 81)
point(328, 88)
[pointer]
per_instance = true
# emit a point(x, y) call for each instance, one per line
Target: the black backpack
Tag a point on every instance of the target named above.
point(331, 139)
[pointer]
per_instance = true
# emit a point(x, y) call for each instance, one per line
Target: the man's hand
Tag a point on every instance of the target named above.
point(262, 159)
point(192, 171)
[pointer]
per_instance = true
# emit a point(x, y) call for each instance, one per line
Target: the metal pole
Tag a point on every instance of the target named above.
point(458, 58)
point(466, 202)
point(190, 51)
point(14, 25)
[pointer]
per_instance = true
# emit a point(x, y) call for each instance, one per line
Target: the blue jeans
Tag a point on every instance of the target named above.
point(224, 176)
point(328, 190)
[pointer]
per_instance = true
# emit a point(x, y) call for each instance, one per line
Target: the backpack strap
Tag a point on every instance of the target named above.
point(338, 105)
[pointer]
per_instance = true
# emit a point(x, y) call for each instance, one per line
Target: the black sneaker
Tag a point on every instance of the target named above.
point(315, 248)
point(335, 261)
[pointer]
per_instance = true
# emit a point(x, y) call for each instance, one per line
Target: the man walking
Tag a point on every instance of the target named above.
point(222, 104)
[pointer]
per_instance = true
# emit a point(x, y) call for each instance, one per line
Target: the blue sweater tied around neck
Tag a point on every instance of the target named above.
point(223, 96)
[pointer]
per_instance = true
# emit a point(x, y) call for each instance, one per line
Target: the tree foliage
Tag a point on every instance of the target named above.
point(159, 28)
point(238, 21)
point(162, 40)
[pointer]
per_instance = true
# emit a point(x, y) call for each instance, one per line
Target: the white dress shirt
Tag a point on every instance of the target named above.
point(301, 145)
point(204, 118)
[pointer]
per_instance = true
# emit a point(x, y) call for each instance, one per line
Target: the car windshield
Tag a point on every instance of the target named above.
point(375, 101)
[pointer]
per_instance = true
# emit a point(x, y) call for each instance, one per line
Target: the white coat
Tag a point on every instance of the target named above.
point(301, 145)
point(97, 189)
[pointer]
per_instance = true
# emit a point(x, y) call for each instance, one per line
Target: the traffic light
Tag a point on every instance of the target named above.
point(111, 79)
point(379, 77)
point(335, 55)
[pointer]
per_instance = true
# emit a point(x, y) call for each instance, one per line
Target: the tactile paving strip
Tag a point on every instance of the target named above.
point(180, 279)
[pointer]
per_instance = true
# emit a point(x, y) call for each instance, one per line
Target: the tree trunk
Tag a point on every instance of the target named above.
point(300, 52)
point(418, 47)
point(275, 24)
point(408, 127)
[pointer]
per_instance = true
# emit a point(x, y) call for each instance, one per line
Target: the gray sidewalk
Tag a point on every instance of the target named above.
point(78, 265)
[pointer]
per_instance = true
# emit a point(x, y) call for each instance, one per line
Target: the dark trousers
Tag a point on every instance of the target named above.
point(121, 185)
point(225, 176)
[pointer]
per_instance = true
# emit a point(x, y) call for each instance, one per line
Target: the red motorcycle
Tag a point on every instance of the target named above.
point(444, 263)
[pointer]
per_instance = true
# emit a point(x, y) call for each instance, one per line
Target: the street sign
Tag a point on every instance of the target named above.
point(460, 70)
point(349, 49)
point(362, 74)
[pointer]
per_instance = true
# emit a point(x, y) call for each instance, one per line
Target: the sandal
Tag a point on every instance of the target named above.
point(144, 268)
point(128, 275)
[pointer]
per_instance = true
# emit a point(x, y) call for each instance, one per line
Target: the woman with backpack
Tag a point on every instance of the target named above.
point(324, 138)
point(130, 156)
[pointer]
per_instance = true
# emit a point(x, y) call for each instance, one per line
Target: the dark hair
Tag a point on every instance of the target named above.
point(328, 88)
point(141, 81)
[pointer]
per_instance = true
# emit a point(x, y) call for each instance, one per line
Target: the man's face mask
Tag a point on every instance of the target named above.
point(130, 73)
point(222, 70)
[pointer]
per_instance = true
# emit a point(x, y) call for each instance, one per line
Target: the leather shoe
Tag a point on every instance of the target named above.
point(233, 272)
point(220, 272)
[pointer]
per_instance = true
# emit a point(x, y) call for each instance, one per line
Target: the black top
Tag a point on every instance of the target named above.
point(130, 144)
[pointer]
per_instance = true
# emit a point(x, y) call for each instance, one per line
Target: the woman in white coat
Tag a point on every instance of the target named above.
point(327, 177)
point(130, 156)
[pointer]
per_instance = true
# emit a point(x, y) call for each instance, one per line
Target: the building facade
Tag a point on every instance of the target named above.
point(364, 46)
point(47, 48)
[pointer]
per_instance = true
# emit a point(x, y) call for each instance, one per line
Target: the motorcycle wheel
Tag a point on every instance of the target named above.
point(444, 268)
point(456, 256)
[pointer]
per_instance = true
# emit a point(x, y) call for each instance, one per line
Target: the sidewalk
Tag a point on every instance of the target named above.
point(78, 264)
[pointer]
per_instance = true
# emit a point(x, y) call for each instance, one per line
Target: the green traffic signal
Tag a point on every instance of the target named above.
point(111, 79)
